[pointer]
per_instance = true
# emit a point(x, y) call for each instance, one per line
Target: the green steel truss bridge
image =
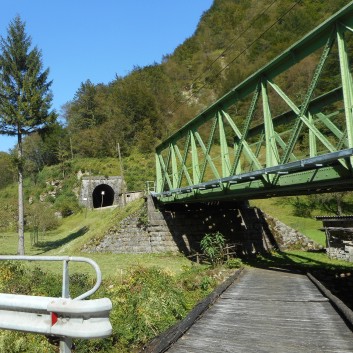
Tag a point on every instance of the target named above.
point(260, 141)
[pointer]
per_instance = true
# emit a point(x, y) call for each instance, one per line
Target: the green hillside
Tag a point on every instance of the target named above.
point(133, 114)
point(232, 40)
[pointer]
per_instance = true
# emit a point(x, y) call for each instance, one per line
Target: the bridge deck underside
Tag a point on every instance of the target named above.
point(269, 311)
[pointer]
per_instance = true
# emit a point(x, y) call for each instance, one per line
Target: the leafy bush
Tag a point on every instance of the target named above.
point(41, 216)
point(17, 278)
point(145, 303)
point(212, 245)
point(197, 283)
point(8, 171)
point(8, 214)
point(234, 263)
point(67, 205)
point(16, 342)
point(149, 301)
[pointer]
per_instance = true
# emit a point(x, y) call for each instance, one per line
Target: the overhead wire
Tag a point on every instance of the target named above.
point(208, 68)
point(252, 21)
point(278, 20)
point(253, 42)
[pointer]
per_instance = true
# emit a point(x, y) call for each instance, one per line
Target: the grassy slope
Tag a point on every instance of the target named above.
point(283, 212)
point(77, 230)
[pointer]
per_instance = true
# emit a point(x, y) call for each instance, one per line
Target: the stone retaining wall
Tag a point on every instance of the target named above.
point(340, 249)
point(180, 228)
point(288, 238)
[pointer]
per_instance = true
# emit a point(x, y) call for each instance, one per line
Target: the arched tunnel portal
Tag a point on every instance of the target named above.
point(103, 196)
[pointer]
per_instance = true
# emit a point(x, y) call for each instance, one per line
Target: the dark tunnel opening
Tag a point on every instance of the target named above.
point(103, 196)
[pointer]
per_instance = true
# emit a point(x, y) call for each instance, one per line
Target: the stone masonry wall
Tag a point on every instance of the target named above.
point(340, 249)
point(288, 238)
point(240, 225)
point(135, 234)
point(180, 228)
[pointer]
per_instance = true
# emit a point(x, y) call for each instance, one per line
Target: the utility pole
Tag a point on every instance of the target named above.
point(122, 176)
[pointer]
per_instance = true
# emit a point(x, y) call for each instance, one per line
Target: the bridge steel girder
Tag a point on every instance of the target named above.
point(263, 141)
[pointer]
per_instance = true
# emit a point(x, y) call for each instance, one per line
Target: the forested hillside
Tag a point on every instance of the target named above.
point(233, 39)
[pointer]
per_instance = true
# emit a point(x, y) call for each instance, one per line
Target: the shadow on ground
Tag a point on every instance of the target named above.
point(51, 245)
point(338, 278)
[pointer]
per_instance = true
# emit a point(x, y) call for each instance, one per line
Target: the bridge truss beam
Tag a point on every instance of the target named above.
point(285, 130)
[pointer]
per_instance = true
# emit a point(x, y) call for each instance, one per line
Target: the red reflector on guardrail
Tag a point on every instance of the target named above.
point(54, 318)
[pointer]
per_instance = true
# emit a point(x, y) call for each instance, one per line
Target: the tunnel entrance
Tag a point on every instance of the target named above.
point(103, 196)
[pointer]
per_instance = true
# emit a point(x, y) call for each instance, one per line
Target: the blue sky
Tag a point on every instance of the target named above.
point(87, 39)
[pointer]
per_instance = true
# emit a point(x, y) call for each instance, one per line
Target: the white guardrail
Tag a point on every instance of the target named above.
point(63, 317)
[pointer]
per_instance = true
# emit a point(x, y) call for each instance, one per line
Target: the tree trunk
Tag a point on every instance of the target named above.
point(339, 207)
point(21, 242)
point(339, 197)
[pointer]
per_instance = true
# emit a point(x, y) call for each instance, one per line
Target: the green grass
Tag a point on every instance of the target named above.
point(80, 229)
point(89, 226)
point(284, 212)
point(180, 284)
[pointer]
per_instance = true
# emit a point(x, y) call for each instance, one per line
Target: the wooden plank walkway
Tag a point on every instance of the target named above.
point(268, 311)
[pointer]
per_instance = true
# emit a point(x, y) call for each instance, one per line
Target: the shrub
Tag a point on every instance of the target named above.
point(234, 263)
point(148, 302)
point(40, 216)
point(17, 278)
point(197, 283)
point(212, 245)
point(145, 303)
point(67, 205)
point(17, 342)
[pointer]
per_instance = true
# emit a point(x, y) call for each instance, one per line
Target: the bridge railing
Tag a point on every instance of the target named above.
point(296, 108)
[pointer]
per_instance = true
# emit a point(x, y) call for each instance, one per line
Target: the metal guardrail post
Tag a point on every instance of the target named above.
point(65, 345)
point(65, 288)
point(65, 342)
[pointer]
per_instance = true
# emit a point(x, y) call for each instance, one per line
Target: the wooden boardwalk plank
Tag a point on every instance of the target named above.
point(269, 311)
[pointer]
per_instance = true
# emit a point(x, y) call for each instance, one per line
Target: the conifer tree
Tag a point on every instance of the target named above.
point(25, 97)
